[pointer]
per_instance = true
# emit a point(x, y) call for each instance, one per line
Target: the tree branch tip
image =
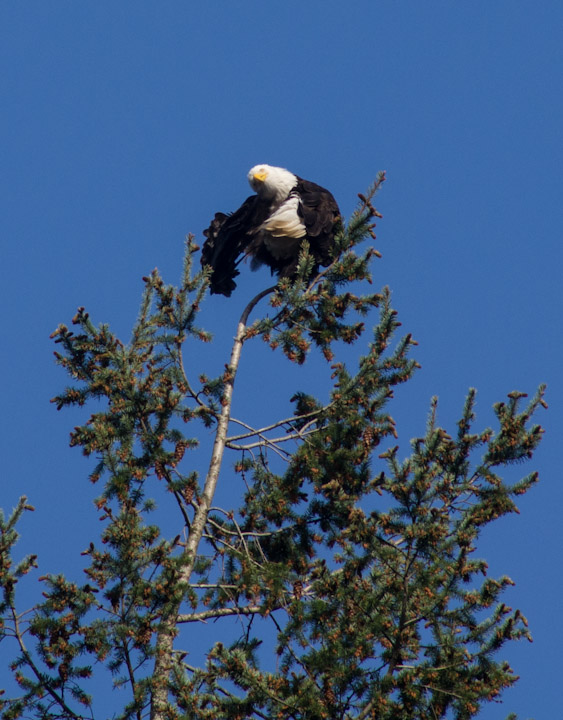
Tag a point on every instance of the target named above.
point(516, 395)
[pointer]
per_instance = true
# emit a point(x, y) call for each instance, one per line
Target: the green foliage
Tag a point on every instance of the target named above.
point(344, 586)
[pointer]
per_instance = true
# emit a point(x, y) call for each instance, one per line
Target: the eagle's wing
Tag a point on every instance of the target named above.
point(320, 214)
point(227, 238)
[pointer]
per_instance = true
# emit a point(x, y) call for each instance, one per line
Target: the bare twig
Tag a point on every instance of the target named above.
point(221, 612)
point(273, 442)
point(286, 421)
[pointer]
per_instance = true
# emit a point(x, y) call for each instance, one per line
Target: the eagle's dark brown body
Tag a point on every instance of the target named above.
point(308, 211)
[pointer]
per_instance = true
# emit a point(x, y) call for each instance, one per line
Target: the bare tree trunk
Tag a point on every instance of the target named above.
point(167, 632)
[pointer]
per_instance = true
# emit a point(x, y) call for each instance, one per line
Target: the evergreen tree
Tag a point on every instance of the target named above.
point(344, 585)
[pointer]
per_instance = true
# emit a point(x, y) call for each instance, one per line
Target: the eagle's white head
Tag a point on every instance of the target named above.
point(273, 183)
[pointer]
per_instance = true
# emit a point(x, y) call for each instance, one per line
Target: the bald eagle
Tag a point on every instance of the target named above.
point(270, 227)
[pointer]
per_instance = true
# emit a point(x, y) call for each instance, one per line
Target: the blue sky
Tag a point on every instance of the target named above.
point(126, 125)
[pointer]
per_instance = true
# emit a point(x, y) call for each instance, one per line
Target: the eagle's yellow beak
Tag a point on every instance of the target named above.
point(260, 176)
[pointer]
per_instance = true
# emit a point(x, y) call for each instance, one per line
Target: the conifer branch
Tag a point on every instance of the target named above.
point(43, 682)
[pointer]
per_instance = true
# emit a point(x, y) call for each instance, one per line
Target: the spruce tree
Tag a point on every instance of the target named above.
point(343, 584)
